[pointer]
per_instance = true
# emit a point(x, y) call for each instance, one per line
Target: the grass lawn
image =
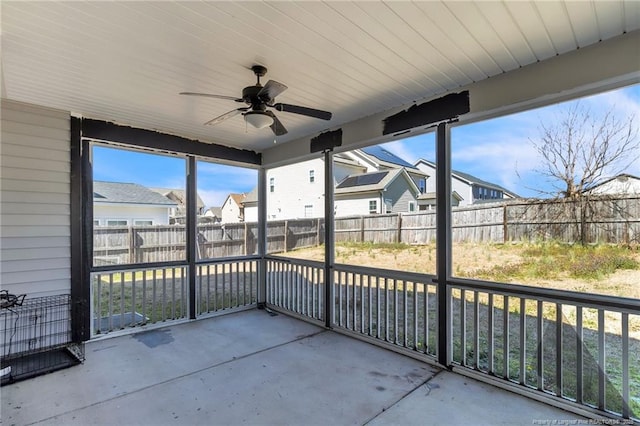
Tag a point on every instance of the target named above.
point(602, 269)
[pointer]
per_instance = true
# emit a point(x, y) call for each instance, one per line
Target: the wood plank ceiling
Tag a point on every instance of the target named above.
point(127, 61)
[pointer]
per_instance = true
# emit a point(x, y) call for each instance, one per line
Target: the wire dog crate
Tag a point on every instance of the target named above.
point(36, 337)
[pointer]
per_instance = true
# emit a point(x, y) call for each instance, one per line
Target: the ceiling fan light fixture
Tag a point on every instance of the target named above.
point(258, 119)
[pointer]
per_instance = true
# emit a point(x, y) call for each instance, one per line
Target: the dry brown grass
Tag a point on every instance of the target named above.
point(468, 258)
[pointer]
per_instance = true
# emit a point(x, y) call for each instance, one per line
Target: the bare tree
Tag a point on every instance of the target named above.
point(580, 149)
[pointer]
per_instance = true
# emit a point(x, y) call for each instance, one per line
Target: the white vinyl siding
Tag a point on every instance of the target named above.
point(131, 213)
point(295, 191)
point(35, 191)
point(400, 194)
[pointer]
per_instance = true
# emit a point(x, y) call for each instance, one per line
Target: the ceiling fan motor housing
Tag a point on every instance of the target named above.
point(250, 96)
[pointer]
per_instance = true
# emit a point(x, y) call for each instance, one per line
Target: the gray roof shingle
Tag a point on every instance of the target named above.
point(127, 193)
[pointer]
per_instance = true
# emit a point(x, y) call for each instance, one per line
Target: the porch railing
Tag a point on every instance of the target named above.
point(571, 345)
point(135, 296)
point(226, 284)
point(574, 346)
point(297, 286)
point(398, 308)
point(131, 297)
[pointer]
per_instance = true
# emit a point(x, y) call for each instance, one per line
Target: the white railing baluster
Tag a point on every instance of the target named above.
point(602, 379)
point(626, 411)
point(523, 341)
point(540, 345)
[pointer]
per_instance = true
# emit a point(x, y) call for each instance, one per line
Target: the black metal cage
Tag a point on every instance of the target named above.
point(36, 337)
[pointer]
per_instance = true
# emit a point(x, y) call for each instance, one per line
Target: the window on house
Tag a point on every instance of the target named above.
point(412, 206)
point(272, 184)
point(117, 222)
point(312, 177)
point(96, 223)
point(308, 210)
point(423, 185)
point(143, 222)
point(373, 206)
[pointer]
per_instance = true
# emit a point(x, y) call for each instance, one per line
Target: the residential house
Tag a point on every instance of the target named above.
point(232, 210)
point(250, 205)
point(466, 189)
point(127, 204)
point(213, 214)
point(622, 184)
point(297, 190)
point(427, 200)
point(378, 158)
point(179, 196)
point(387, 191)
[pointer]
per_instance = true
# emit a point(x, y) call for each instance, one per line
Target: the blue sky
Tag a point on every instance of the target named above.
point(497, 150)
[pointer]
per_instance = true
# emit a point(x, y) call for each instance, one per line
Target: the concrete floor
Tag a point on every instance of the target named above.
point(252, 368)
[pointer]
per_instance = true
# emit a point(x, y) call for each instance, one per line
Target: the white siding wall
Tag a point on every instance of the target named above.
point(292, 190)
point(251, 214)
point(464, 189)
point(35, 193)
point(230, 211)
point(624, 185)
point(400, 194)
point(356, 204)
point(159, 215)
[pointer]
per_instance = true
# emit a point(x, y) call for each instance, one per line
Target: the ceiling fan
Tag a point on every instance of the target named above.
point(258, 98)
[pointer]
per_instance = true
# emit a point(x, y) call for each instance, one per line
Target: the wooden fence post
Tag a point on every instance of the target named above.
point(286, 232)
point(317, 232)
point(246, 239)
point(362, 229)
point(399, 234)
point(505, 225)
point(132, 245)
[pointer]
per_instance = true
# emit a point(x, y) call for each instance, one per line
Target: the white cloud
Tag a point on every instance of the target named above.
point(400, 149)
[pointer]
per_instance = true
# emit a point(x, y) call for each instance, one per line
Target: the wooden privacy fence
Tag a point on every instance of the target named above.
point(115, 245)
point(602, 220)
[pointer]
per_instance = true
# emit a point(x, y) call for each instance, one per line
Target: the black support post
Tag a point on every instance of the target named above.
point(80, 234)
point(329, 238)
point(192, 229)
point(262, 238)
point(443, 239)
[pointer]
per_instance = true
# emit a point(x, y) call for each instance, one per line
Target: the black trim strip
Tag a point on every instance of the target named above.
point(445, 108)
point(326, 141)
point(106, 131)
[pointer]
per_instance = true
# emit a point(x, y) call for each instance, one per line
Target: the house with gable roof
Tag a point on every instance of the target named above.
point(179, 196)
point(129, 204)
point(368, 181)
point(232, 210)
point(386, 191)
point(466, 189)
